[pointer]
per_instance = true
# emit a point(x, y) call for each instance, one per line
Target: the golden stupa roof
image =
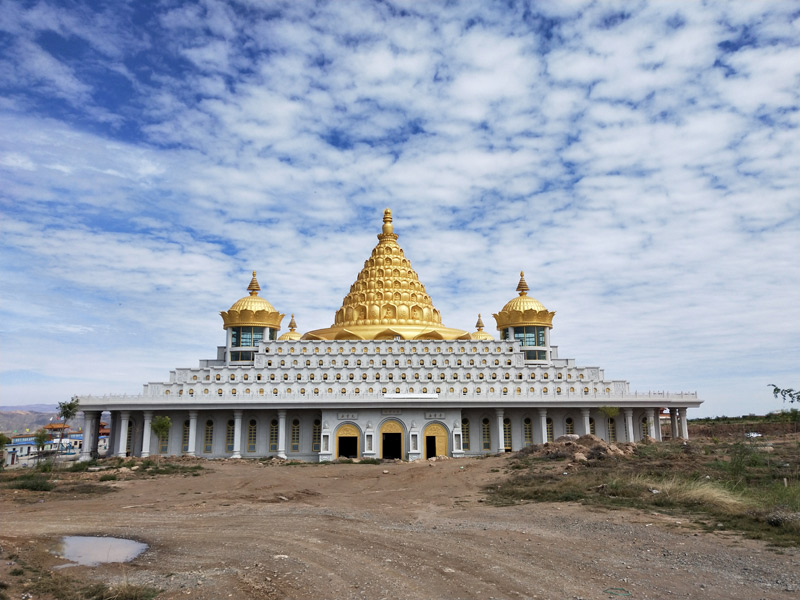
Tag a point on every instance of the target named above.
point(387, 300)
point(252, 311)
point(291, 334)
point(524, 310)
point(480, 334)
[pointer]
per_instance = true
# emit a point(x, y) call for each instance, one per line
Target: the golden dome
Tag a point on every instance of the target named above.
point(252, 311)
point(480, 334)
point(290, 335)
point(523, 310)
point(387, 300)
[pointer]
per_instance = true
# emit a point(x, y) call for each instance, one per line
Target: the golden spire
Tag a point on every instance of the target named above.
point(254, 288)
point(252, 310)
point(480, 334)
point(522, 287)
point(387, 300)
point(523, 310)
point(291, 335)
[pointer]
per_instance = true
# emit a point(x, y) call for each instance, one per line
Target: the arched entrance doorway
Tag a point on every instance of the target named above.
point(392, 440)
point(435, 437)
point(347, 441)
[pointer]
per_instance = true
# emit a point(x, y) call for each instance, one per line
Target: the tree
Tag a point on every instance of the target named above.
point(67, 411)
point(161, 426)
point(40, 439)
point(787, 394)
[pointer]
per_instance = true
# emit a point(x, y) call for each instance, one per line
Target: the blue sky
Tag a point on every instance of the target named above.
point(639, 160)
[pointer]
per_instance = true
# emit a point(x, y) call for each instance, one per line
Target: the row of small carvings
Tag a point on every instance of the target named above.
point(291, 390)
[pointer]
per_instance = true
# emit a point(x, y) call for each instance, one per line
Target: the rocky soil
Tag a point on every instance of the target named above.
point(423, 530)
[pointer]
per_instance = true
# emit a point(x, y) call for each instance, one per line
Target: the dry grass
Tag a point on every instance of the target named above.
point(737, 486)
point(703, 493)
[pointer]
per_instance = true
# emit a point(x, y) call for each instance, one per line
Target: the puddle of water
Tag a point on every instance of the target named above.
point(91, 551)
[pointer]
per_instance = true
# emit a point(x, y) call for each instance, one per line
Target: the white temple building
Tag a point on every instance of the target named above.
point(386, 380)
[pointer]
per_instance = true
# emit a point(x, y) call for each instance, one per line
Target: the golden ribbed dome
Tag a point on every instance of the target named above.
point(290, 335)
point(523, 310)
point(387, 300)
point(252, 311)
point(480, 334)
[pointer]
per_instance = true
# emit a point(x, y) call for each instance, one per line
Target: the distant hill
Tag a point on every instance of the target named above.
point(20, 420)
point(45, 408)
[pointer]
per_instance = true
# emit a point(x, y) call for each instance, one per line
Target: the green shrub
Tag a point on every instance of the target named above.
point(108, 477)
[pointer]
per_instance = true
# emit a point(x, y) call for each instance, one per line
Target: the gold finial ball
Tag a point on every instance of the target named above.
point(254, 273)
point(387, 221)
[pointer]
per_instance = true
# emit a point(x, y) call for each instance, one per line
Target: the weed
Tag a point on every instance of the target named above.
point(33, 482)
point(16, 572)
point(108, 477)
point(80, 467)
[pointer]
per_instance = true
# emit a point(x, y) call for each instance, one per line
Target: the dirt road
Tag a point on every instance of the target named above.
point(422, 530)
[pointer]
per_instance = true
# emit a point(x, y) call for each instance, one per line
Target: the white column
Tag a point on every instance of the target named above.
point(629, 423)
point(655, 425)
point(148, 418)
point(122, 433)
point(673, 421)
point(192, 433)
point(281, 434)
point(501, 438)
point(86, 449)
point(587, 426)
point(684, 424)
point(543, 423)
point(237, 434)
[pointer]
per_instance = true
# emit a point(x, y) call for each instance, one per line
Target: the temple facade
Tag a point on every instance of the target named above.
point(387, 380)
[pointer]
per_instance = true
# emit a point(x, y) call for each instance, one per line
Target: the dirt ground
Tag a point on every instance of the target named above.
point(422, 530)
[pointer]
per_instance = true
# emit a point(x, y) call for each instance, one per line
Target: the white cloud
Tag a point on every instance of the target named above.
point(650, 195)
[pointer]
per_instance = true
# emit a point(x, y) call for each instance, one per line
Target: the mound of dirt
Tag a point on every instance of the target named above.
point(587, 447)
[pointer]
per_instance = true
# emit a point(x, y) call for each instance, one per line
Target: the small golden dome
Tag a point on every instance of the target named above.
point(480, 334)
point(252, 310)
point(523, 310)
point(290, 335)
point(387, 300)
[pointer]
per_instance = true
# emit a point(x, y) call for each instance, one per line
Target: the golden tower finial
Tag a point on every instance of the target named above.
point(254, 288)
point(387, 233)
point(387, 221)
point(292, 324)
point(522, 287)
point(479, 325)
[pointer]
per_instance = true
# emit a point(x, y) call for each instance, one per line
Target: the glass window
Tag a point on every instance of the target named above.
point(295, 436)
point(208, 437)
point(507, 434)
point(251, 436)
point(569, 426)
point(229, 437)
point(185, 437)
point(465, 433)
point(527, 431)
point(549, 429)
point(273, 435)
point(612, 430)
point(486, 434)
